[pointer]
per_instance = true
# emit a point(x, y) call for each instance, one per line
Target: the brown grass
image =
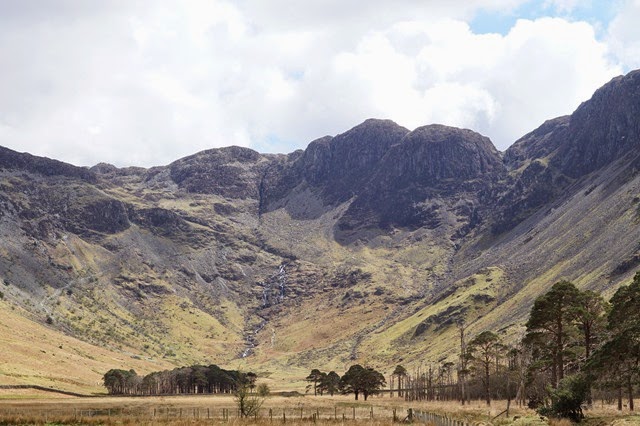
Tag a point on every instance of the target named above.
point(560, 422)
point(30, 420)
point(209, 409)
point(192, 410)
point(37, 355)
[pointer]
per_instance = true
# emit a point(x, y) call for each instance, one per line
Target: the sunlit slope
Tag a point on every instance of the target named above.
point(34, 354)
point(369, 247)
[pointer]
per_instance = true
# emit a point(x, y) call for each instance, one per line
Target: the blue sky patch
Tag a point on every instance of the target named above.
point(596, 12)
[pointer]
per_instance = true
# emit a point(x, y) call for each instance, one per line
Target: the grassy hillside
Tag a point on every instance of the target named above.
point(35, 354)
point(369, 247)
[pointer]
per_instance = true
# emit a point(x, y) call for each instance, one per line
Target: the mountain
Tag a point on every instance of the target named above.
point(367, 246)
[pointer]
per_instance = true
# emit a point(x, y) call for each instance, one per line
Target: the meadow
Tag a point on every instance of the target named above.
point(38, 408)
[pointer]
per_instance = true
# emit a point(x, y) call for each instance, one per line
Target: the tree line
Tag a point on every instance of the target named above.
point(358, 380)
point(197, 379)
point(575, 342)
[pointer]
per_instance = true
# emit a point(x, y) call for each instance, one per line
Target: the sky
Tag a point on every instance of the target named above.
point(145, 82)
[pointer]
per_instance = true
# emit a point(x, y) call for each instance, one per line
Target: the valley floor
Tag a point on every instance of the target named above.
point(34, 407)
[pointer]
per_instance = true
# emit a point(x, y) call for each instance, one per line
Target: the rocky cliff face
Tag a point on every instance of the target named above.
point(547, 161)
point(402, 230)
point(340, 166)
point(12, 160)
point(433, 174)
point(336, 168)
point(603, 129)
point(232, 172)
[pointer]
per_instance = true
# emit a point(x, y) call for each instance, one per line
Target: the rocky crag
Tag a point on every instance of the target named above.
point(366, 246)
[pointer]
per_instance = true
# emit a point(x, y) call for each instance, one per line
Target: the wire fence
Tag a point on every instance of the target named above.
point(279, 414)
point(436, 419)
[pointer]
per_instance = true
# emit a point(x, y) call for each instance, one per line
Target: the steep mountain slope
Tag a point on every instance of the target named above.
point(368, 246)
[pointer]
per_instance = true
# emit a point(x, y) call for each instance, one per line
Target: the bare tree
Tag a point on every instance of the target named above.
point(248, 403)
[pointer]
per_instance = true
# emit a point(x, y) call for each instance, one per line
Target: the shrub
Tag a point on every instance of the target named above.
point(263, 390)
point(567, 399)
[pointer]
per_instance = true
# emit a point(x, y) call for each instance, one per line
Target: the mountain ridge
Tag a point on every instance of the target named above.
point(229, 255)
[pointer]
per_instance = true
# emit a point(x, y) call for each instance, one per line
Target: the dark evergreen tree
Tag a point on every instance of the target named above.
point(314, 378)
point(551, 329)
point(330, 383)
point(359, 380)
point(618, 360)
point(401, 373)
point(484, 351)
point(184, 380)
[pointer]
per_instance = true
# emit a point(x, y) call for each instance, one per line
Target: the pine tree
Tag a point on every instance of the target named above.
point(551, 328)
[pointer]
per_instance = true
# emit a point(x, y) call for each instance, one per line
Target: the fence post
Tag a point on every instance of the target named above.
point(271, 415)
point(354, 413)
point(284, 417)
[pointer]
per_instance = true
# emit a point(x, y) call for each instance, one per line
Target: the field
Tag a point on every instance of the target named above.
point(33, 407)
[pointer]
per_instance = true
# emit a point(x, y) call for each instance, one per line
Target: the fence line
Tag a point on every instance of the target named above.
point(436, 419)
point(202, 412)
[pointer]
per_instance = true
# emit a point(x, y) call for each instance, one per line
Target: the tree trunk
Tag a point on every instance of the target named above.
point(587, 353)
point(462, 377)
point(508, 394)
point(559, 353)
point(554, 371)
point(487, 386)
point(630, 392)
point(620, 398)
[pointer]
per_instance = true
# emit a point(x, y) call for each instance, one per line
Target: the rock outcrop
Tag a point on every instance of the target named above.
point(378, 222)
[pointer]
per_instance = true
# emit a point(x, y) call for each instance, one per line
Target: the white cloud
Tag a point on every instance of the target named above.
point(145, 83)
point(502, 86)
point(624, 34)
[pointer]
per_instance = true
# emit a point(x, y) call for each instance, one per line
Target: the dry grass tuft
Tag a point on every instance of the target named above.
point(560, 422)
